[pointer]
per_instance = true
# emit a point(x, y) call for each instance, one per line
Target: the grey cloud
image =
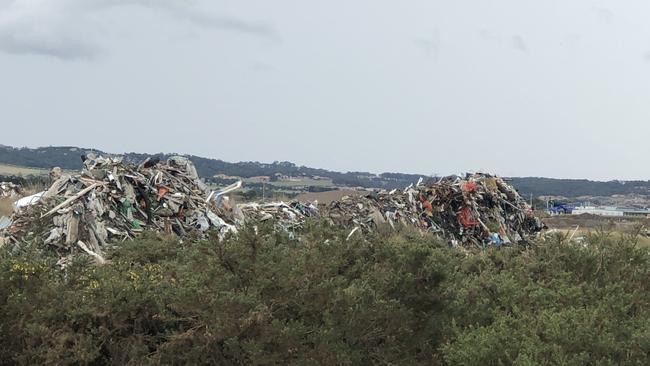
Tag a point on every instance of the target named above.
point(63, 48)
point(430, 44)
point(61, 28)
point(262, 67)
point(43, 28)
point(519, 44)
point(426, 44)
point(487, 35)
point(604, 15)
point(571, 41)
point(227, 23)
point(188, 11)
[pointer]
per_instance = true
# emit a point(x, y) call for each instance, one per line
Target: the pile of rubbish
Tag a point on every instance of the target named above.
point(286, 217)
point(479, 209)
point(10, 190)
point(110, 201)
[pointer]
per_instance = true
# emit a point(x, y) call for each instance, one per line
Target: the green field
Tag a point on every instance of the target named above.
point(7, 169)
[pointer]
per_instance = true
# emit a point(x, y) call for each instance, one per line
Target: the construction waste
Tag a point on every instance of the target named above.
point(4, 222)
point(10, 190)
point(286, 217)
point(110, 202)
point(478, 209)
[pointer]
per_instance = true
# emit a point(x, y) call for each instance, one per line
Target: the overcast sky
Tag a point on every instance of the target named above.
point(515, 87)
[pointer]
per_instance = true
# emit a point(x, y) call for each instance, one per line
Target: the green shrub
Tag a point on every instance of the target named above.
point(264, 298)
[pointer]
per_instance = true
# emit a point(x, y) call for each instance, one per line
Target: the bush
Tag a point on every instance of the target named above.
point(263, 298)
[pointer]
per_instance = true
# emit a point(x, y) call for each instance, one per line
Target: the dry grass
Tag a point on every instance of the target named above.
point(33, 188)
point(643, 240)
point(595, 222)
point(7, 169)
point(6, 207)
point(618, 227)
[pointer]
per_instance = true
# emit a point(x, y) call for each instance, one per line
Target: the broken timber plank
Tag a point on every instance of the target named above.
point(71, 199)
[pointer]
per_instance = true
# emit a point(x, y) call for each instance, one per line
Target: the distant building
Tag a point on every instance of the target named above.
point(599, 211)
point(636, 212)
point(259, 179)
point(611, 211)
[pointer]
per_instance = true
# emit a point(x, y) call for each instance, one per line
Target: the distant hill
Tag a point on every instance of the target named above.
point(69, 157)
point(578, 187)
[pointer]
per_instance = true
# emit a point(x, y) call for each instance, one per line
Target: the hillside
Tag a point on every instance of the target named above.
point(578, 187)
point(69, 157)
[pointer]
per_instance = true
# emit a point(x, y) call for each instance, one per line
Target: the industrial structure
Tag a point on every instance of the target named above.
point(611, 211)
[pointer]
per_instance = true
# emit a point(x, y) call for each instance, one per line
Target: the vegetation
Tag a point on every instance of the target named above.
point(6, 206)
point(28, 182)
point(400, 299)
point(68, 157)
point(578, 187)
point(21, 171)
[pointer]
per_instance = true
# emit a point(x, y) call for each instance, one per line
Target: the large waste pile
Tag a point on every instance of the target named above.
point(476, 210)
point(11, 190)
point(111, 202)
point(286, 217)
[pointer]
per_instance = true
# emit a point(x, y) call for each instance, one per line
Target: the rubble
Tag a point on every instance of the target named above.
point(27, 201)
point(476, 210)
point(286, 217)
point(4, 222)
point(110, 202)
point(10, 190)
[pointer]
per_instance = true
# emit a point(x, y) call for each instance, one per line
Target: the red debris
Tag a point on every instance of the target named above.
point(466, 218)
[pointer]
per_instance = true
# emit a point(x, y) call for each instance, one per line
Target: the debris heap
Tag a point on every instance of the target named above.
point(111, 202)
point(479, 209)
point(11, 190)
point(286, 217)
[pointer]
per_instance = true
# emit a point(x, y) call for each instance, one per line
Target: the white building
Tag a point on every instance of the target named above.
point(600, 211)
point(610, 211)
